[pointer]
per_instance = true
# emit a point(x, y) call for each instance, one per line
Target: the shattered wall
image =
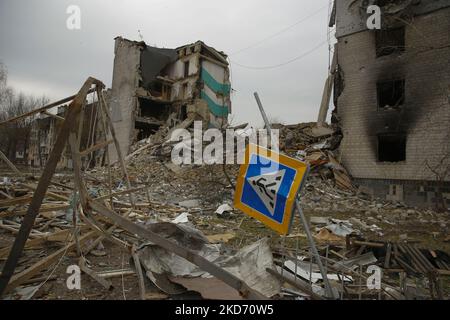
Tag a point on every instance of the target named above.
point(122, 100)
point(422, 116)
point(154, 87)
point(216, 91)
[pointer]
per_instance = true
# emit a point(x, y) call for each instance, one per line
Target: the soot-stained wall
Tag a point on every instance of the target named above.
point(423, 118)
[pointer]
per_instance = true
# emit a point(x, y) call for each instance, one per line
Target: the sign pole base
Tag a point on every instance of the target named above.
point(328, 289)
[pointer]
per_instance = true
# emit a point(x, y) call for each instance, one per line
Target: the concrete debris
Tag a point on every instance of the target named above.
point(319, 220)
point(355, 262)
point(327, 236)
point(341, 228)
point(182, 218)
point(217, 238)
point(224, 208)
point(195, 203)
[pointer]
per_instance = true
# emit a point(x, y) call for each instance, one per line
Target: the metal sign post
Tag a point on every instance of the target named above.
point(329, 291)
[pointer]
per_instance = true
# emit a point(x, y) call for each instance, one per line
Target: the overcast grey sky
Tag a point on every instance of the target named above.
point(44, 57)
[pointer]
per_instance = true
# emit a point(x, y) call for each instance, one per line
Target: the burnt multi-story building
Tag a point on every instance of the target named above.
point(391, 97)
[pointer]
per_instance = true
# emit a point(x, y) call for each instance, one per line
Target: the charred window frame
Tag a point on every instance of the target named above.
point(389, 41)
point(186, 69)
point(183, 112)
point(184, 91)
point(390, 94)
point(391, 147)
point(383, 3)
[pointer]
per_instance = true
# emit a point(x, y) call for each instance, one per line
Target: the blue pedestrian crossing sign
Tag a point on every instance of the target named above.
point(267, 186)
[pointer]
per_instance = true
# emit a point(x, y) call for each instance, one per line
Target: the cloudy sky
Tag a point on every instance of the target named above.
point(276, 47)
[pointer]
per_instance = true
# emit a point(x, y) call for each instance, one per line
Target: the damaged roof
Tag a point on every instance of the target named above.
point(350, 16)
point(222, 56)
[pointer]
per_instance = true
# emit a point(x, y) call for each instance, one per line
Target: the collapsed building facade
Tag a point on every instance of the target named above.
point(152, 87)
point(391, 97)
point(44, 131)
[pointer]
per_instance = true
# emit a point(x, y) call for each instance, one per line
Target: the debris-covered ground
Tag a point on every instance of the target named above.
point(193, 206)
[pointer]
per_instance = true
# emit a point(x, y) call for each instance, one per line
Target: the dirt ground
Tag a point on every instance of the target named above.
point(210, 186)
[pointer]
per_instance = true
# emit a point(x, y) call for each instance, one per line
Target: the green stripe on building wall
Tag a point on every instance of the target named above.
point(214, 85)
point(216, 109)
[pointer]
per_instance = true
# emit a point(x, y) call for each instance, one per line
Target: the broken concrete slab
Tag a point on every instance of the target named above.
point(194, 203)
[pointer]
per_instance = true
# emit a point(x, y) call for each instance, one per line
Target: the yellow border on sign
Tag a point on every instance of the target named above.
point(300, 168)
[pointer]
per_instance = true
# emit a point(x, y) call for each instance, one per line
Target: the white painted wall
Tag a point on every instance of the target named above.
point(122, 101)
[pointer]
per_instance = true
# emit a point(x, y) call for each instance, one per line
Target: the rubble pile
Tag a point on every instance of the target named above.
point(192, 206)
point(307, 136)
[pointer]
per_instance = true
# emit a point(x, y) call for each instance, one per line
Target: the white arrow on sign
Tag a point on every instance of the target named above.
point(266, 187)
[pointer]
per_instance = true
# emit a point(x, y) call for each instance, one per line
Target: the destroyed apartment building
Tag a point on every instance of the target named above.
point(391, 97)
point(30, 143)
point(153, 87)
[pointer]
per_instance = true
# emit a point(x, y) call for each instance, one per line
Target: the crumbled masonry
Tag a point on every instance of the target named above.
point(352, 230)
point(94, 188)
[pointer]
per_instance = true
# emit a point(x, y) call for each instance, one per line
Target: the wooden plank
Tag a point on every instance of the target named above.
point(299, 284)
point(360, 250)
point(7, 196)
point(128, 205)
point(15, 201)
point(426, 263)
point(443, 272)
point(387, 259)
point(406, 249)
point(338, 254)
point(16, 230)
point(120, 193)
point(139, 273)
point(369, 244)
point(58, 236)
point(61, 185)
point(28, 273)
point(105, 283)
point(46, 208)
point(47, 193)
point(9, 163)
point(405, 265)
point(116, 273)
point(44, 182)
point(150, 121)
point(53, 115)
point(96, 147)
point(40, 279)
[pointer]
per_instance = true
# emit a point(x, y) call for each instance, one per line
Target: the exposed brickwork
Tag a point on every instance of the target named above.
point(414, 193)
point(425, 66)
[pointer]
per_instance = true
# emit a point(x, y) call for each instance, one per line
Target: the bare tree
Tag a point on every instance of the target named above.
point(441, 170)
point(14, 136)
